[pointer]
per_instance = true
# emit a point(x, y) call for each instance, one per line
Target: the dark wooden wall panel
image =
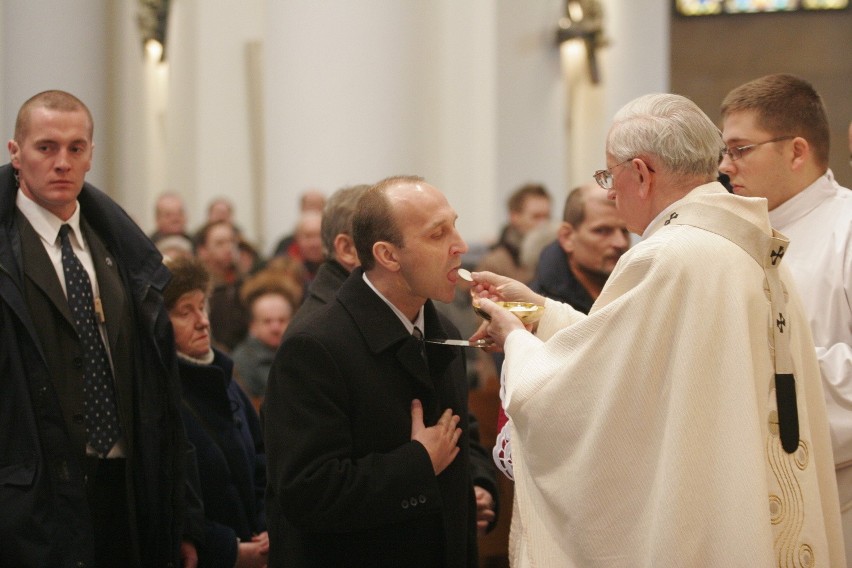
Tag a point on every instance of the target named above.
point(712, 55)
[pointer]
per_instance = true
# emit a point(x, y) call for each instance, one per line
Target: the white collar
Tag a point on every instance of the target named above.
point(804, 202)
point(45, 223)
point(409, 325)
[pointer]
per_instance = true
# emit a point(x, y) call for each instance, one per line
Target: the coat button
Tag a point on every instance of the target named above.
point(413, 501)
point(405, 503)
point(422, 498)
point(41, 396)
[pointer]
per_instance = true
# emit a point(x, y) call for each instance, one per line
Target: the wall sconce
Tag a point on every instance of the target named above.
point(583, 20)
point(152, 18)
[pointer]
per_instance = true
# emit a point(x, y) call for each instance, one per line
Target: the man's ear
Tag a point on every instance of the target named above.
point(801, 152)
point(644, 174)
point(385, 254)
point(14, 154)
point(565, 236)
point(344, 250)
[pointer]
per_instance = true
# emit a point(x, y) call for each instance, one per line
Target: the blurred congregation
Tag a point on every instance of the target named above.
point(240, 249)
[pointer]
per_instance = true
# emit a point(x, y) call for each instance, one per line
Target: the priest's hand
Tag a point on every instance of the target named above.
point(502, 323)
point(496, 287)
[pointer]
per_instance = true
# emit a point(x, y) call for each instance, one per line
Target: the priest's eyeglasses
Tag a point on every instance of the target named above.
point(604, 177)
point(737, 152)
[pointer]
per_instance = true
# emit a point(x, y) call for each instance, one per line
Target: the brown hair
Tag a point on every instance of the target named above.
point(338, 213)
point(200, 238)
point(785, 105)
point(516, 201)
point(52, 100)
point(188, 275)
point(275, 280)
point(374, 219)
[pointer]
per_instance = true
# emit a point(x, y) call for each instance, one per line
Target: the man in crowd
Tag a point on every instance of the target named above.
point(777, 137)
point(592, 237)
point(357, 477)
point(682, 421)
point(307, 243)
point(169, 216)
point(342, 259)
point(216, 248)
point(93, 452)
point(270, 308)
point(312, 199)
point(529, 207)
point(339, 249)
point(574, 268)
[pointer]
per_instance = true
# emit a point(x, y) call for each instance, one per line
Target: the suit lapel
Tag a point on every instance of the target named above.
point(39, 269)
point(382, 329)
point(408, 355)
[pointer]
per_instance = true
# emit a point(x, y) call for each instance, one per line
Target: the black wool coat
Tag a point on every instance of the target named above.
point(347, 486)
point(45, 518)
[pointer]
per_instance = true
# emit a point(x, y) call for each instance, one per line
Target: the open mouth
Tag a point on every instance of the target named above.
point(458, 273)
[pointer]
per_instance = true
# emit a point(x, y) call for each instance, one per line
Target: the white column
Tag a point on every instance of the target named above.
point(210, 124)
point(531, 131)
point(357, 91)
point(138, 111)
point(634, 63)
point(57, 45)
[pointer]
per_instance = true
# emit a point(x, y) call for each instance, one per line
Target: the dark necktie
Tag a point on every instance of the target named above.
point(98, 398)
point(418, 335)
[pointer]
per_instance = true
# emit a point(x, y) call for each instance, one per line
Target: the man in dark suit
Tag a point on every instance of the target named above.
point(341, 260)
point(77, 489)
point(340, 255)
point(366, 425)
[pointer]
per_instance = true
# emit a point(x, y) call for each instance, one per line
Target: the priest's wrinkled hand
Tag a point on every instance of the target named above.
point(496, 287)
point(503, 322)
point(482, 333)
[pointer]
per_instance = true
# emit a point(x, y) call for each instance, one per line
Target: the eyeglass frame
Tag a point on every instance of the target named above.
point(600, 175)
point(737, 152)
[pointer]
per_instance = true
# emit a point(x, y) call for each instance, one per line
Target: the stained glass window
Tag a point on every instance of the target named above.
point(714, 7)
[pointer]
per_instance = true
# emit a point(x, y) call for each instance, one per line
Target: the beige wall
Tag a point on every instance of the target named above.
point(712, 55)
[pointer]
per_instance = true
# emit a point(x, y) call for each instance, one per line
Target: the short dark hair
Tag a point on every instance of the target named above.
point(203, 233)
point(785, 105)
point(374, 219)
point(338, 213)
point(270, 281)
point(188, 275)
point(516, 201)
point(575, 207)
point(575, 204)
point(53, 100)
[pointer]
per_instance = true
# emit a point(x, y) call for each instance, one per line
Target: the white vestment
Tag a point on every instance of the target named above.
point(646, 433)
point(818, 222)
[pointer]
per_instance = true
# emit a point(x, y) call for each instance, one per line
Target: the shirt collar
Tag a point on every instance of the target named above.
point(45, 223)
point(418, 322)
point(803, 202)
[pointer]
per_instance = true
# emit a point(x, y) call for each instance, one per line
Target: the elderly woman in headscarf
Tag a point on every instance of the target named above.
point(223, 426)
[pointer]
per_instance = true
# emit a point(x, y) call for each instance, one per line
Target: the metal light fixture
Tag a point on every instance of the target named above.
point(152, 18)
point(583, 20)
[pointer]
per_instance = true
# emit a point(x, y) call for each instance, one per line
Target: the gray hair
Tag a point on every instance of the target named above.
point(670, 127)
